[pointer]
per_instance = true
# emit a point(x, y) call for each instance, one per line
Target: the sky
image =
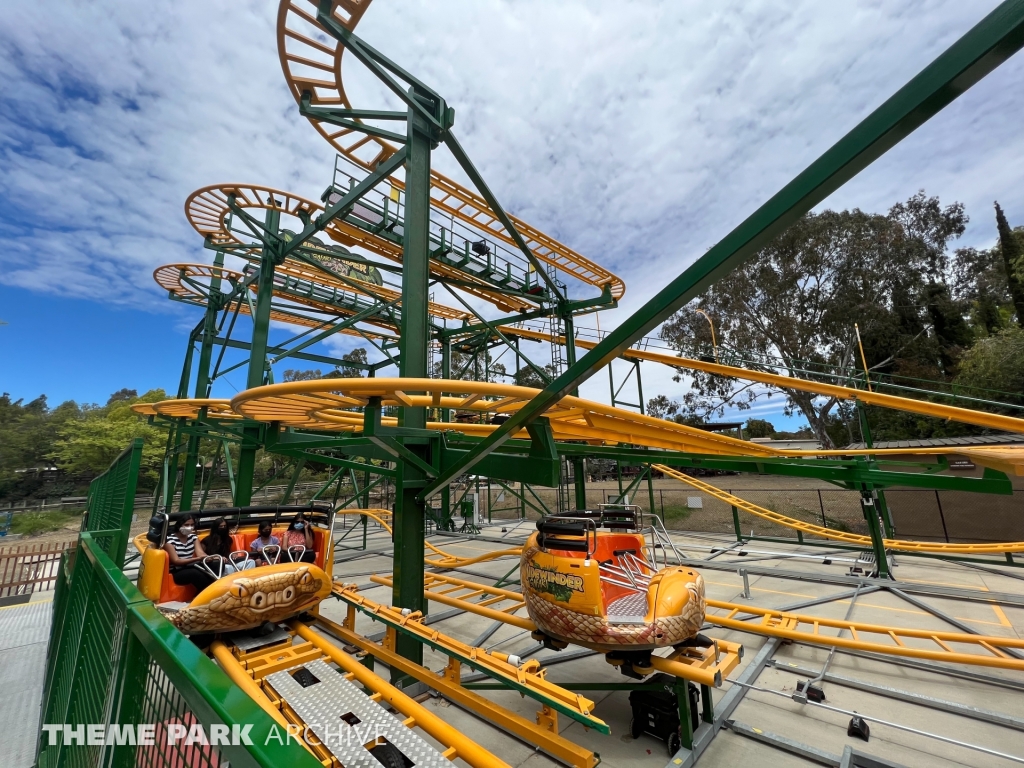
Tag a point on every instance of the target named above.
point(639, 134)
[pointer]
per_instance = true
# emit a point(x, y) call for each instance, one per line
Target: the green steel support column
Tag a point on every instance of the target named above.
point(202, 388)
point(643, 411)
point(214, 468)
point(295, 478)
point(171, 479)
point(707, 704)
point(578, 471)
point(188, 474)
point(867, 504)
point(681, 688)
point(410, 513)
point(230, 469)
point(736, 523)
point(258, 356)
point(186, 368)
point(446, 415)
point(650, 487)
point(883, 507)
point(570, 346)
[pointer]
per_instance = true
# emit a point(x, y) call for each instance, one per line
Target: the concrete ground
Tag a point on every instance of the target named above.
point(809, 725)
point(24, 633)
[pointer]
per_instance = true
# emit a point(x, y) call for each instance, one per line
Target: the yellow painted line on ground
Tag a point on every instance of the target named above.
point(998, 610)
point(1001, 616)
point(22, 605)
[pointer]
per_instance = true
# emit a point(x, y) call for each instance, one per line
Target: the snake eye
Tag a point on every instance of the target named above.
point(259, 600)
point(289, 593)
point(306, 578)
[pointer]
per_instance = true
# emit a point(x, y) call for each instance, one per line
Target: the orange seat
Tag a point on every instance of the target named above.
point(240, 542)
point(171, 592)
point(243, 541)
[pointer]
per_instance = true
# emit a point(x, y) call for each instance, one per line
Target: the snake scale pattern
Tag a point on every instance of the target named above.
point(251, 601)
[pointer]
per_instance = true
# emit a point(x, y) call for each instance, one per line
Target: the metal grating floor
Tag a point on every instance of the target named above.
point(330, 706)
point(630, 608)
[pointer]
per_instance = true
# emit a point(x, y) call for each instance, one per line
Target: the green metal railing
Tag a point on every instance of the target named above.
point(111, 502)
point(114, 659)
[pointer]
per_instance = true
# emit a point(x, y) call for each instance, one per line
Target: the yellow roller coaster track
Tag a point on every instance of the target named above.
point(312, 63)
point(952, 413)
point(208, 212)
point(708, 666)
point(187, 408)
point(951, 647)
point(829, 533)
point(328, 404)
point(250, 670)
point(523, 676)
point(335, 405)
point(187, 282)
point(1008, 458)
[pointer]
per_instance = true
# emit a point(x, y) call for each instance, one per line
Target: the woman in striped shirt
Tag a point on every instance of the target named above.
point(184, 556)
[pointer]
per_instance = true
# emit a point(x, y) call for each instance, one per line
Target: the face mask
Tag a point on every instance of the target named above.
point(299, 526)
point(187, 530)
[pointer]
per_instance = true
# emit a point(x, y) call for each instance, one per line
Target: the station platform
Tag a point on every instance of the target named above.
point(24, 633)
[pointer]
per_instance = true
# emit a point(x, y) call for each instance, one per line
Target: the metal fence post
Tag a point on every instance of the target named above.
point(942, 517)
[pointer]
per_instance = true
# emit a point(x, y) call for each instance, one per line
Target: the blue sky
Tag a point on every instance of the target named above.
point(639, 134)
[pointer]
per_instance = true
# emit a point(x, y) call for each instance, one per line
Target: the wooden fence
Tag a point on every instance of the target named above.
point(28, 568)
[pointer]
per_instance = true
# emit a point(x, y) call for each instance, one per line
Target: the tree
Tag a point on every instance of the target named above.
point(1013, 261)
point(343, 371)
point(308, 375)
point(660, 407)
point(759, 428)
point(996, 363)
point(793, 306)
point(86, 445)
point(527, 377)
point(357, 355)
point(123, 395)
point(471, 367)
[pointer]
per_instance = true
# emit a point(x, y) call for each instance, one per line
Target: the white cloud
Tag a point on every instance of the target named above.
point(639, 134)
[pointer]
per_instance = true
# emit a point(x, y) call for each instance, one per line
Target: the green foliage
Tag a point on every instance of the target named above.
point(1012, 252)
point(345, 371)
point(34, 523)
point(759, 428)
point(996, 362)
point(527, 377)
point(478, 366)
point(87, 445)
point(792, 310)
point(295, 375)
point(27, 434)
point(660, 407)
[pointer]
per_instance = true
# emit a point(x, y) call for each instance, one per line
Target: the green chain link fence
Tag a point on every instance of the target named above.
point(114, 659)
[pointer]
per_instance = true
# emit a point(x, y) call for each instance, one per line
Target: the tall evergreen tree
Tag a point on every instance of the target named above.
point(1010, 246)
